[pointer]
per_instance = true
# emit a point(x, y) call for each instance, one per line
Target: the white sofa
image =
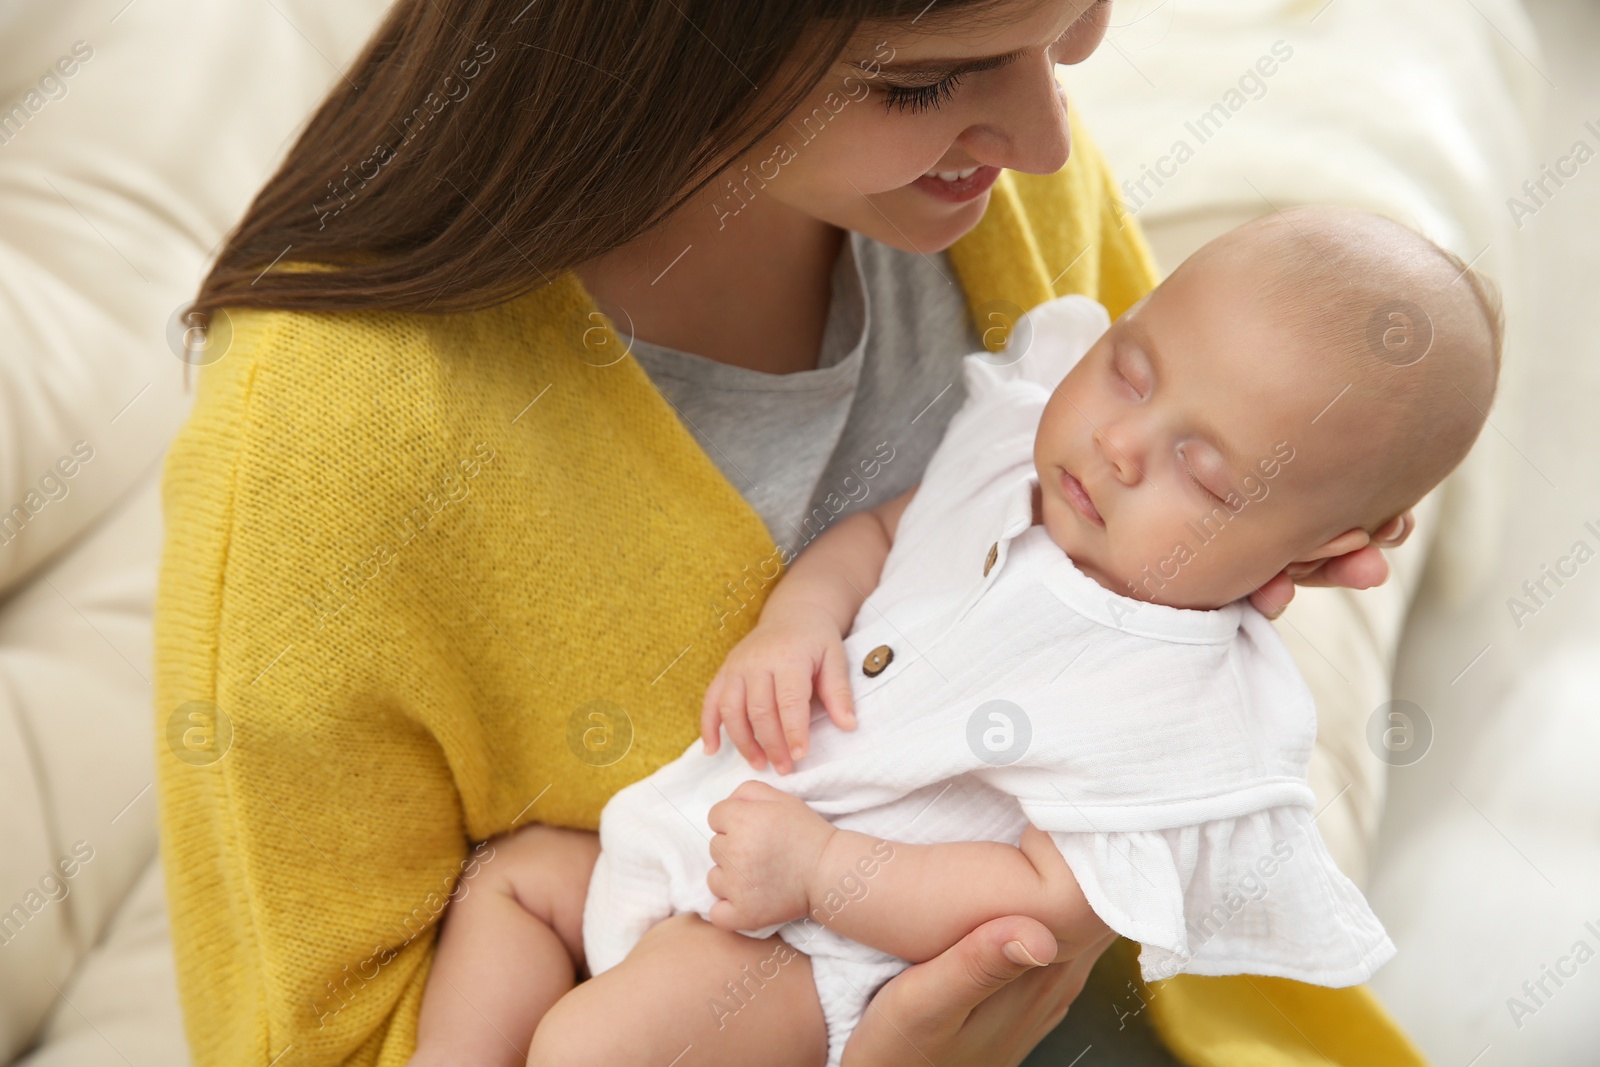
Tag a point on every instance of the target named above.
point(118, 179)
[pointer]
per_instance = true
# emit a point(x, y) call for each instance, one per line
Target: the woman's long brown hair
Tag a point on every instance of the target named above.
point(479, 148)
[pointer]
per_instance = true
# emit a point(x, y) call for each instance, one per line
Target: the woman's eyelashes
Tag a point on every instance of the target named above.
point(920, 98)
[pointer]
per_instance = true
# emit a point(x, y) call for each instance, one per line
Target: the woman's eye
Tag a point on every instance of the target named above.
point(922, 97)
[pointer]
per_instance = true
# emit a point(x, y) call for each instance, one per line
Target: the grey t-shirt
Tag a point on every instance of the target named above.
point(808, 447)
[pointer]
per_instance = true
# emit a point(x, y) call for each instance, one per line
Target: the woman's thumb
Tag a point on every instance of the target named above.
point(987, 959)
point(1018, 953)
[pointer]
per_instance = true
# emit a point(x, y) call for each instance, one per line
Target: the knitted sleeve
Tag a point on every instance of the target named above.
point(311, 829)
point(426, 579)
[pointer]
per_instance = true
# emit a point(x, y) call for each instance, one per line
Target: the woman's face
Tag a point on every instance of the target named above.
point(854, 154)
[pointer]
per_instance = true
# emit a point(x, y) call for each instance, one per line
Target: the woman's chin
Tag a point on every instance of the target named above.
point(915, 222)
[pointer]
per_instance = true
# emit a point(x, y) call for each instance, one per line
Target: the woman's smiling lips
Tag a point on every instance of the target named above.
point(1079, 496)
point(960, 186)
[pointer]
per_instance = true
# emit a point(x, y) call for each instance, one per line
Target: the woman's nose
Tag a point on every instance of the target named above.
point(1026, 128)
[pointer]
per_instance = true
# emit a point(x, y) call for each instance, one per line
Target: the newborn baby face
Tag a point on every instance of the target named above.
point(1173, 459)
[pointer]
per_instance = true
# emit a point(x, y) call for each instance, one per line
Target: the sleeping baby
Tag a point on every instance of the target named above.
point(1040, 666)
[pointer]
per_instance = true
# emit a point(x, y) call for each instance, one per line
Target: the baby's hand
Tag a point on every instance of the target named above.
point(762, 694)
point(767, 844)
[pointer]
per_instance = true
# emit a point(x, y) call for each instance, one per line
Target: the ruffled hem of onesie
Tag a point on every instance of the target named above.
point(1252, 894)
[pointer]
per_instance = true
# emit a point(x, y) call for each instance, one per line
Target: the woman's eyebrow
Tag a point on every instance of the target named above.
point(940, 68)
point(943, 68)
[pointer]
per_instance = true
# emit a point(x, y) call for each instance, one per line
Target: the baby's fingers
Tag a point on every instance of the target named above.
point(793, 685)
point(724, 916)
point(764, 721)
point(833, 686)
point(711, 715)
point(733, 711)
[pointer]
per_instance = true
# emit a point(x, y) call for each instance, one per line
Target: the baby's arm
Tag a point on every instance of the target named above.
point(763, 691)
point(779, 861)
point(915, 901)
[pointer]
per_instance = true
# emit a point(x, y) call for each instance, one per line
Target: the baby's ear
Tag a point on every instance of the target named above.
point(1349, 541)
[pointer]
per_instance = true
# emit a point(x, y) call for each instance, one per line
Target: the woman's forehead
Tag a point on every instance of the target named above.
point(962, 32)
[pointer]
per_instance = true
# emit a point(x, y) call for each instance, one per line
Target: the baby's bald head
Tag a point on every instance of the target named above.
point(1412, 331)
point(1304, 377)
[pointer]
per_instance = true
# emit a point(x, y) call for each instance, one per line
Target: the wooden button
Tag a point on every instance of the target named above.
point(876, 661)
point(994, 554)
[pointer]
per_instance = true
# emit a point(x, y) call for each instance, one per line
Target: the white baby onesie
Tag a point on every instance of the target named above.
point(1165, 750)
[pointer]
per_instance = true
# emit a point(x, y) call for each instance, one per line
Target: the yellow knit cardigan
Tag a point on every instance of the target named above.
point(428, 578)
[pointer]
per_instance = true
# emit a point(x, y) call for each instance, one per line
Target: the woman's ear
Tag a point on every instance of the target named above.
point(1349, 541)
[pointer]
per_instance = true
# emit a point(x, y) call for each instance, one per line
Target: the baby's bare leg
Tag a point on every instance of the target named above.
point(690, 995)
point(508, 949)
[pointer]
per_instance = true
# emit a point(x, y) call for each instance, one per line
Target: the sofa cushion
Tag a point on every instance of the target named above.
point(120, 1007)
point(129, 141)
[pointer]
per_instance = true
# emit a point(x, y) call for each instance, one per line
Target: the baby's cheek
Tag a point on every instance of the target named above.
point(1235, 561)
point(1138, 563)
point(1169, 560)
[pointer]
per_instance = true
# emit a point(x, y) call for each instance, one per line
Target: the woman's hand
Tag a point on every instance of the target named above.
point(1361, 569)
point(762, 694)
point(986, 1001)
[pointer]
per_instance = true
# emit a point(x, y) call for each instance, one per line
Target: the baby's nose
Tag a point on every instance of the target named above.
point(1122, 453)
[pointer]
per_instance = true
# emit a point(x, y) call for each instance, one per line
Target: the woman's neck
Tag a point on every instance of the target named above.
point(749, 289)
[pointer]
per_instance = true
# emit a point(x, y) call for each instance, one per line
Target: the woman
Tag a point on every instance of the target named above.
point(445, 559)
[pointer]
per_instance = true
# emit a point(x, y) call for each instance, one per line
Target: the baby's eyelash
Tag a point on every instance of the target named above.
point(1117, 370)
point(921, 97)
point(1190, 472)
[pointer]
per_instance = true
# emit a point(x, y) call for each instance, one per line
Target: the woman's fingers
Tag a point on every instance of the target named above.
point(1361, 569)
point(990, 962)
point(1394, 533)
point(1274, 595)
point(983, 1003)
point(952, 984)
point(833, 685)
point(921, 1013)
